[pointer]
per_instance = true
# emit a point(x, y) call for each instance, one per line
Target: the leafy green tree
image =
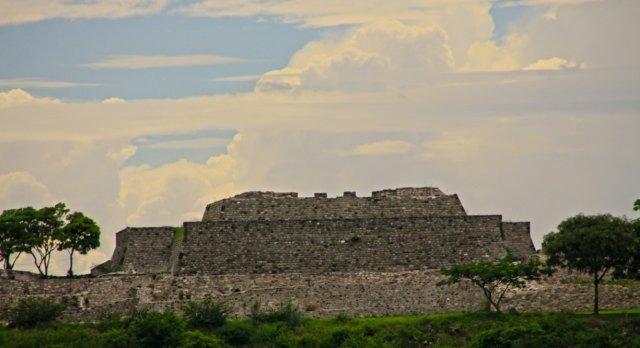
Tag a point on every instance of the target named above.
point(80, 234)
point(46, 238)
point(495, 278)
point(15, 228)
point(593, 244)
point(632, 271)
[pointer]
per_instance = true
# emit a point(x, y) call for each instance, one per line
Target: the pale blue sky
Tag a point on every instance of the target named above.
point(58, 50)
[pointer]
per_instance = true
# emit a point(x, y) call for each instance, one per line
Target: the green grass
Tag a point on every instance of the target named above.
point(613, 328)
point(178, 234)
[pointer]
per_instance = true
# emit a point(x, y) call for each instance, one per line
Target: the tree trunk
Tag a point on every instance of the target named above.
point(70, 272)
point(596, 309)
point(7, 268)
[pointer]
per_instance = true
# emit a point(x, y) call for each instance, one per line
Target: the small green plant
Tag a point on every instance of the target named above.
point(355, 239)
point(286, 312)
point(236, 333)
point(342, 318)
point(178, 234)
point(155, 329)
point(196, 339)
point(206, 314)
point(28, 313)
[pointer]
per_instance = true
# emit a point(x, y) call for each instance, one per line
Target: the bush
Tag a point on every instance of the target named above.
point(517, 336)
point(116, 338)
point(154, 329)
point(342, 318)
point(196, 339)
point(286, 312)
point(28, 313)
point(236, 333)
point(207, 314)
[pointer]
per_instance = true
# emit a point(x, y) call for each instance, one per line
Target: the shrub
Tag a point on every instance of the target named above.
point(196, 339)
point(236, 333)
point(517, 336)
point(116, 338)
point(207, 314)
point(342, 318)
point(28, 313)
point(155, 329)
point(269, 333)
point(286, 312)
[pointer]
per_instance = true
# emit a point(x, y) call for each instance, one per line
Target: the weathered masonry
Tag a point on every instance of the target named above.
point(359, 256)
point(275, 233)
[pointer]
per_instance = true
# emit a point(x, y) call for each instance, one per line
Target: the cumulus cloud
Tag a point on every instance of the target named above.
point(149, 61)
point(20, 189)
point(382, 148)
point(19, 97)
point(370, 57)
point(175, 192)
point(122, 154)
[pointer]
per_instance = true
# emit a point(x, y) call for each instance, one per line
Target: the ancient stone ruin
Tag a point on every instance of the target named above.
point(359, 256)
point(271, 233)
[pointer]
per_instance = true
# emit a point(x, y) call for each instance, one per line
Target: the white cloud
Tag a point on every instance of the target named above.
point(382, 148)
point(39, 83)
point(19, 97)
point(175, 192)
point(159, 61)
point(122, 154)
point(19, 189)
point(554, 63)
point(113, 100)
point(24, 11)
point(372, 57)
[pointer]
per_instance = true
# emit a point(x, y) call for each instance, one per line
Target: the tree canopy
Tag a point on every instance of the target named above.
point(41, 232)
point(495, 278)
point(80, 234)
point(592, 244)
point(16, 227)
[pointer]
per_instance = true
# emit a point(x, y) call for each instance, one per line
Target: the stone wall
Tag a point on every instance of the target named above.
point(408, 202)
point(355, 294)
point(350, 245)
point(140, 250)
point(517, 238)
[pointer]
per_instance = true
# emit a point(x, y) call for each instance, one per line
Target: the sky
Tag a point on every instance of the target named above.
point(139, 113)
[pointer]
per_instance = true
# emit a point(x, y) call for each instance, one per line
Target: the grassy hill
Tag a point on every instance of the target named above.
point(611, 329)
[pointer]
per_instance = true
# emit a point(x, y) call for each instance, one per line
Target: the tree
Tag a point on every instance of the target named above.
point(632, 270)
point(592, 244)
point(80, 234)
point(46, 238)
point(15, 228)
point(495, 278)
